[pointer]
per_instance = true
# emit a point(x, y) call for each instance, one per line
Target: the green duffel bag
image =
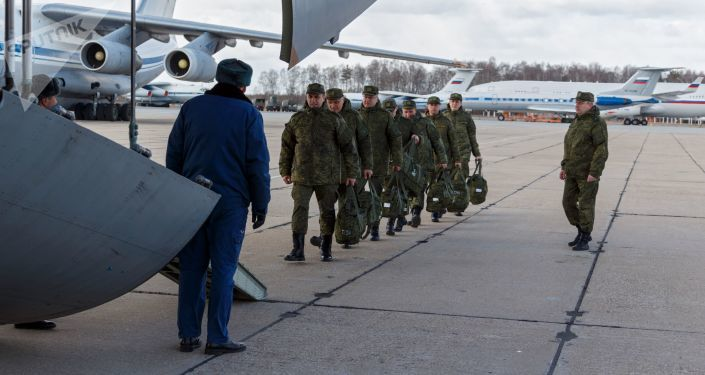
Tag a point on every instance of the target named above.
point(394, 199)
point(413, 175)
point(477, 185)
point(440, 192)
point(460, 200)
point(371, 206)
point(350, 222)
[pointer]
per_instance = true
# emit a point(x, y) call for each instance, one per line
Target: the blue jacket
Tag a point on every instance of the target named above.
point(220, 135)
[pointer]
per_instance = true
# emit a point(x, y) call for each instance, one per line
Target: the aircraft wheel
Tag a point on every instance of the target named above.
point(124, 112)
point(79, 109)
point(627, 121)
point(88, 112)
point(111, 112)
point(644, 122)
point(500, 117)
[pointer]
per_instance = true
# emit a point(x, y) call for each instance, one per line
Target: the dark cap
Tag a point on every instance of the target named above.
point(44, 86)
point(234, 72)
point(408, 104)
point(315, 88)
point(370, 90)
point(434, 100)
point(389, 103)
point(334, 93)
point(456, 96)
point(585, 96)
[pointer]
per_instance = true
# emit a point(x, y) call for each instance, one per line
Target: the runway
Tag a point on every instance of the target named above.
point(497, 291)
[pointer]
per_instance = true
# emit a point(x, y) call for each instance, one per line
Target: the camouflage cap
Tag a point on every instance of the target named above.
point(334, 94)
point(456, 96)
point(315, 88)
point(408, 104)
point(389, 103)
point(585, 96)
point(370, 90)
point(434, 100)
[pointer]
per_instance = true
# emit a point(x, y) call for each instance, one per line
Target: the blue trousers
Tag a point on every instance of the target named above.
point(218, 241)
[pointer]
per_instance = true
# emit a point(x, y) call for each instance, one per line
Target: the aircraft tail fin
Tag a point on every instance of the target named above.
point(460, 82)
point(642, 83)
point(160, 8)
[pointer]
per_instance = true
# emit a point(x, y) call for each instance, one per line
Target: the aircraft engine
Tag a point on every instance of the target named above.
point(107, 57)
point(630, 111)
point(188, 64)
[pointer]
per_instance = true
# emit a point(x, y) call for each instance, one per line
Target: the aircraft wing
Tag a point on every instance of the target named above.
point(693, 87)
point(161, 27)
point(397, 94)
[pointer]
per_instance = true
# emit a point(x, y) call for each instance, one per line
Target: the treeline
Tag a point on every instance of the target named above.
point(418, 78)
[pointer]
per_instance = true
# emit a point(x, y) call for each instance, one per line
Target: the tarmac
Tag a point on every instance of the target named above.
point(496, 291)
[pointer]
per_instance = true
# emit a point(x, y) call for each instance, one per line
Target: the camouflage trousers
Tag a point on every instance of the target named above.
point(326, 195)
point(579, 202)
point(418, 199)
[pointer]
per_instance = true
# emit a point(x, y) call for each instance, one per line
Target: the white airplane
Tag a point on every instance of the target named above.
point(460, 82)
point(640, 91)
point(162, 94)
point(88, 49)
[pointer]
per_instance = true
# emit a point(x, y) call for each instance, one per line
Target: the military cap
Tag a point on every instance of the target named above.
point(389, 103)
point(44, 86)
point(370, 90)
point(585, 96)
point(434, 100)
point(456, 96)
point(315, 88)
point(408, 104)
point(334, 93)
point(234, 72)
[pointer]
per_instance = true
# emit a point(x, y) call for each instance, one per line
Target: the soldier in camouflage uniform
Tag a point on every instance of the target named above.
point(386, 145)
point(584, 157)
point(424, 134)
point(390, 105)
point(337, 103)
point(315, 143)
point(448, 136)
point(466, 130)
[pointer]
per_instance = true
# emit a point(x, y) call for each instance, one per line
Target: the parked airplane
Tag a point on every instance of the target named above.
point(162, 94)
point(88, 49)
point(642, 89)
point(460, 82)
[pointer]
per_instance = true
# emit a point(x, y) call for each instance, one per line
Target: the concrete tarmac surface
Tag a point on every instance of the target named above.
point(496, 291)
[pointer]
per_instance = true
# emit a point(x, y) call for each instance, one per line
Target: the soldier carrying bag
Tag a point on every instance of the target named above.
point(412, 173)
point(477, 185)
point(440, 192)
point(394, 200)
point(350, 222)
point(460, 200)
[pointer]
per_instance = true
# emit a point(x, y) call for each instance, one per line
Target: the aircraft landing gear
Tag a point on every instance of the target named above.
point(636, 121)
point(500, 117)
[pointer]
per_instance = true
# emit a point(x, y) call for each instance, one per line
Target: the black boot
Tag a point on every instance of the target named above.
point(390, 227)
point(41, 325)
point(435, 217)
point(297, 254)
point(401, 221)
point(326, 255)
point(415, 217)
point(582, 244)
point(458, 214)
point(374, 233)
point(577, 238)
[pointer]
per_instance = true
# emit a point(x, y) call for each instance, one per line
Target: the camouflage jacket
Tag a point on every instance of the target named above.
point(449, 137)
point(361, 135)
point(430, 140)
point(585, 145)
point(467, 132)
point(384, 137)
point(313, 143)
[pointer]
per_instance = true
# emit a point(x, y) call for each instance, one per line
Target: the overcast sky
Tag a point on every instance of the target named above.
point(610, 32)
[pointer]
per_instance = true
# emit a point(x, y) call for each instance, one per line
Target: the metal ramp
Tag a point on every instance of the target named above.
point(247, 286)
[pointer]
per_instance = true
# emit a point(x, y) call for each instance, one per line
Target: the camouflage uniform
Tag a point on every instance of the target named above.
point(315, 143)
point(467, 132)
point(449, 137)
point(386, 143)
point(585, 153)
point(430, 143)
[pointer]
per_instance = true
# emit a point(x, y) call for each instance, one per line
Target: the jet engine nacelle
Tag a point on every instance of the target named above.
point(105, 56)
point(188, 64)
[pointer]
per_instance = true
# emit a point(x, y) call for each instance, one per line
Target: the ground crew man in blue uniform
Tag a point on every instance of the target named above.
point(220, 136)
